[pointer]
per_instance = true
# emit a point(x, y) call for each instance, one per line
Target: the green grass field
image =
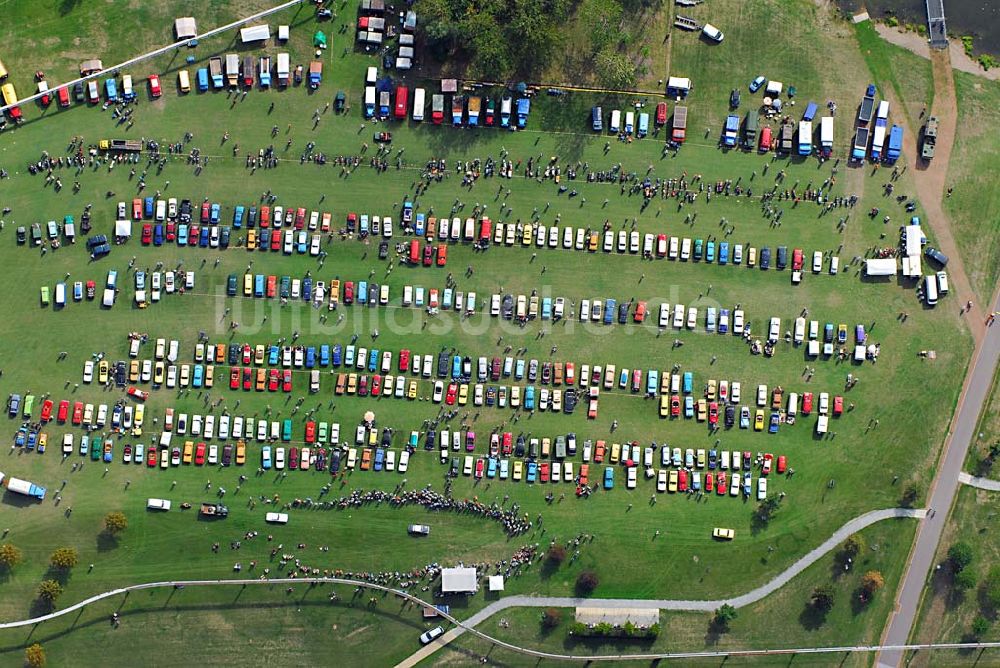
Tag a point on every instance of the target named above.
point(860, 461)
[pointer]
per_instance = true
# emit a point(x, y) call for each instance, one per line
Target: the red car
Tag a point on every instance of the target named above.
point(838, 405)
point(349, 292)
point(442, 256)
point(193, 233)
point(272, 286)
point(797, 259)
point(428, 256)
point(265, 216)
point(138, 394)
point(199, 454)
point(720, 481)
point(404, 359)
point(287, 381)
point(709, 482)
point(807, 403)
point(154, 85)
point(63, 411)
point(234, 378)
point(275, 241)
point(151, 458)
point(363, 386)
point(205, 210)
point(273, 381)
point(137, 209)
point(376, 385)
point(300, 218)
point(782, 462)
point(171, 231)
point(147, 234)
point(768, 462)
point(247, 353)
point(293, 457)
point(63, 94)
point(682, 480)
point(247, 379)
point(449, 398)
point(46, 410)
point(480, 465)
point(675, 405)
point(310, 432)
point(508, 440)
point(543, 471)
point(78, 413)
point(713, 413)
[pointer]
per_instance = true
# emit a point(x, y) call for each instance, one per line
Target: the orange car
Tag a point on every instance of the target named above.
point(366, 459)
point(261, 380)
point(341, 383)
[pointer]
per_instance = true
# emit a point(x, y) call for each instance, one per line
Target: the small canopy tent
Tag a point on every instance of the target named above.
point(319, 39)
point(185, 27)
point(255, 34)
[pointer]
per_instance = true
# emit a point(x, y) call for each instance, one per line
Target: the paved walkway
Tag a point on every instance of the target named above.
point(970, 404)
point(981, 483)
point(838, 537)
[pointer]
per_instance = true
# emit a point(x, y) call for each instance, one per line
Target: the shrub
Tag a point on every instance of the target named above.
point(723, 616)
point(964, 580)
point(980, 625)
point(551, 618)
point(10, 556)
point(871, 582)
point(64, 558)
point(960, 555)
point(49, 590)
point(853, 545)
point(823, 597)
point(115, 522)
point(587, 582)
point(34, 656)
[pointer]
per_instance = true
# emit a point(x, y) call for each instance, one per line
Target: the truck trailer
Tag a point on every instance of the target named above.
point(895, 144)
point(679, 131)
point(24, 487)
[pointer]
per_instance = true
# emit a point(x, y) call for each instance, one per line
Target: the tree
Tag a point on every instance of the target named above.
point(853, 545)
point(551, 618)
point(766, 510)
point(587, 582)
point(723, 616)
point(993, 586)
point(64, 558)
point(49, 590)
point(115, 522)
point(556, 555)
point(960, 556)
point(34, 656)
point(823, 597)
point(871, 582)
point(964, 580)
point(614, 70)
point(10, 556)
point(980, 625)
point(910, 496)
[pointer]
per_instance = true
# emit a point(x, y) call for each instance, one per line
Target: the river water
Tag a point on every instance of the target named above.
point(979, 18)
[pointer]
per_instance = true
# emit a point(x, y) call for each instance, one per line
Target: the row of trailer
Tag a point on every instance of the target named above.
point(876, 141)
point(382, 101)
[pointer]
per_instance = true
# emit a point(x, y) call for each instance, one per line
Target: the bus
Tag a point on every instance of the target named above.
point(402, 102)
point(184, 81)
point(419, 96)
point(10, 98)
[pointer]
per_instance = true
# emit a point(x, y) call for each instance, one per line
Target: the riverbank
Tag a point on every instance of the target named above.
point(917, 43)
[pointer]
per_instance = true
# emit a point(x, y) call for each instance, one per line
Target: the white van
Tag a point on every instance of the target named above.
point(161, 210)
point(942, 280)
point(60, 294)
point(371, 75)
point(931, 289)
point(158, 504)
point(616, 121)
point(184, 81)
point(793, 404)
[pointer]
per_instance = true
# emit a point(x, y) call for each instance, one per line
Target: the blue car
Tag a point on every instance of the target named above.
point(158, 234)
point(301, 247)
point(652, 381)
point(419, 226)
point(258, 285)
point(238, 217)
point(182, 235)
point(307, 289)
point(310, 357)
point(224, 236)
point(710, 251)
point(491, 470)
point(214, 215)
point(689, 406)
point(723, 321)
point(723, 252)
point(372, 360)
point(203, 238)
point(379, 458)
point(519, 369)
point(147, 207)
point(349, 356)
point(363, 292)
point(713, 458)
point(198, 377)
point(757, 83)
point(688, 382)
point(547, 308)
point(532, 472)
point(324, 355)
point(338, 353)
point(272, 355)
point(773, 426)
point(529, 398)
point(609, 311)
point(609, 477)
point(456, 367)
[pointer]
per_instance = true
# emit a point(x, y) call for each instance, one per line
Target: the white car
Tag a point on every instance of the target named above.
point(686, 249)
point(438, 392)
point(568, 237)
point(817, 262)
point(88, 371)
point(664, 320)
point(761, 488)
point(738, 322)
point(692, 320)
point(824, 403)
point(734, 392)
point(712, 33)
point(584, 314)
point(774, 331)
point(678, 316)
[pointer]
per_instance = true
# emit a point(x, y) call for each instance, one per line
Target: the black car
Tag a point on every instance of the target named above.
point(546, 373)
point(570, 399)
point(224, 236)
point(519, 447)
point(185, 213)
point(96, 240)
point(386, 437)
point(765, 257)
point(936, 255)
point(252, 216)
point(335, 461)
point(444, 364)
point(22, 235)
point(507, 307)
point(231, 285)
point(782, 257)
point(454, 467)
point(431, 442)
point(623, 313)
point(734, 99)
point(234, 354)
point(78, 92)
point(730, 415)
point(383, 250)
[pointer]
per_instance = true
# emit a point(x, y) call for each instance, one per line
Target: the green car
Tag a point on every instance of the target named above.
point(324, 433)
point(286, 283)
point(231, 285)
point(286, 430)
point(698, 244)
point(29, 406)
point(96, 448)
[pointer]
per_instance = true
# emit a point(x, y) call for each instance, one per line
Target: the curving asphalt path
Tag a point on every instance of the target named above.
point(975, 392)
point(841, 534)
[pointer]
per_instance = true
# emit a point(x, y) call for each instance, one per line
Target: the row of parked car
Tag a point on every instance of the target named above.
point(123, 416)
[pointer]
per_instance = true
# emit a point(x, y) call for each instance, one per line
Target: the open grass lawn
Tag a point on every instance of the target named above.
point(947, 614)
point(908, 75)
point(974, 200)
point(782, 620)
point(836, 478)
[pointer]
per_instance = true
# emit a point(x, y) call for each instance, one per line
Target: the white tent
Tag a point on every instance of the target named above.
point(123, 228)
point(255, 33)
point(880, 266)
point(185, 27)
point(283, 33)
point(773, 88)
point(678, 86)
point(496, 583)
point(914, 239)
point(459, 581)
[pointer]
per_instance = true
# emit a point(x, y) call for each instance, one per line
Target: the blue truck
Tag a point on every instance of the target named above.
point(731, 131)
point(523, 109)
point(895, 144)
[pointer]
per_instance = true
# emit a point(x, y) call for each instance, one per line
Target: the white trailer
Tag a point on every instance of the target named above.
point(283, 69)
point(419, 104)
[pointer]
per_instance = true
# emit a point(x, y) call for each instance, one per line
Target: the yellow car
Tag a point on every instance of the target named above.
point(251, 239)
point(241, 453)
point(593, 242)
point(515, 396)
point(133, 371)
point(463, 394)
point(702, 410)
point(43, 440)
point(518, 469)
point(188, 452)
point(258, 354)
point(248, 285)
point(209, 375)
point(711, 390)
point(352, 383)
point(528, 237)
point(616, 452)
point(102, 372)
point(758, 420)
point(664, 405)
point(158, 370)
point(411, 391)
point(672, 484)
point(723, 534)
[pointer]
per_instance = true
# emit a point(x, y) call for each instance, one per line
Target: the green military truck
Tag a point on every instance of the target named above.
point(930, 138)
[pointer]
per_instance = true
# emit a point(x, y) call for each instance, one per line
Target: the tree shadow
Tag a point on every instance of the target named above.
point(67, 6)
point(858, 602)
point(812, 618)
point(40, 607)
point(106, 541)
point(60, 575)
